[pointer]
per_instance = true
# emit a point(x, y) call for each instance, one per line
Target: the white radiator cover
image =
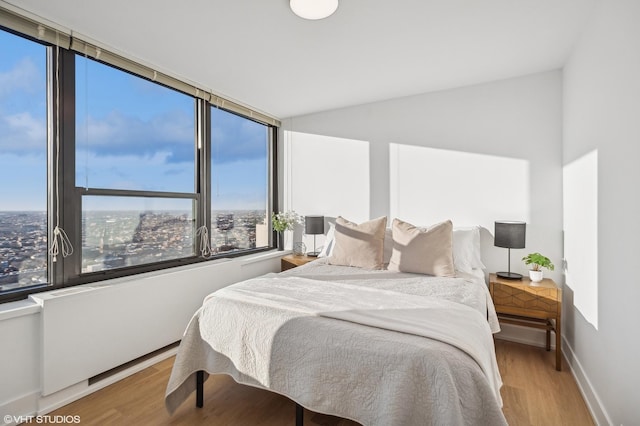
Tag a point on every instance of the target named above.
point(90, 329)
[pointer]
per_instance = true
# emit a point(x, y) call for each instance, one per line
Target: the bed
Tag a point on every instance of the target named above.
point(375, 346)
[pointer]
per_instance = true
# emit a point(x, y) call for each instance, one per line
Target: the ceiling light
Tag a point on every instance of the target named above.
point(313, 9)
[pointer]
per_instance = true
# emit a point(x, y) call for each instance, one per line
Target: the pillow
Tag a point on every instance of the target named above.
point(329, 241)
point(466, 249)
point(359, 245)
point(329, 244)
point(388, 246)
point(423, 251)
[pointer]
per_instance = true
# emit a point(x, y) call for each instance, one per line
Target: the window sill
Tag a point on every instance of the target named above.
point(27, 306)
point(17, 309)
point(271, 254)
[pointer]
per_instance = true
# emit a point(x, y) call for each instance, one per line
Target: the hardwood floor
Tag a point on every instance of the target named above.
point(534, 393)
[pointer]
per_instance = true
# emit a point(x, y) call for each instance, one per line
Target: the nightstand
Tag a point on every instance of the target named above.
point(291, 261)
point(538, 305)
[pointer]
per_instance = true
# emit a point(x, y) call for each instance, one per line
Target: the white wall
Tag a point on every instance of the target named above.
point(54, 342)
point(475, 155)
point(602, 142)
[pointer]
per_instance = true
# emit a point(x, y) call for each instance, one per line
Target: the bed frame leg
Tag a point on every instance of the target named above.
point(200, 389)
point(299, 415)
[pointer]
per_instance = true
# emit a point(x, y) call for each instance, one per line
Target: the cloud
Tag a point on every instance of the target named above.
point(234, 138)
point(120, 134)
point(23, 125)
point(133, 172)
point(24, 77)
point(22, 133)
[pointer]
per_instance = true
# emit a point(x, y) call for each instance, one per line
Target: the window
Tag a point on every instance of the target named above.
point(135, 166)
point(131, 134)
point(148, 230)
point(23, 162)
point(239, 182)
point(135, 156)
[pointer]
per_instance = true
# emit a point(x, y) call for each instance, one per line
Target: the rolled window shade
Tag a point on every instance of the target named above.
point(48, 34)
point(90, 50)
point(85, 48)
point(228, 105)
point(33, 29)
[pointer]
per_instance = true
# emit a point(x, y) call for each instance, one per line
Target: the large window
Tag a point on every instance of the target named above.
point(134, 140)
point(239, 182)
point(23, 162)
point(119, 168)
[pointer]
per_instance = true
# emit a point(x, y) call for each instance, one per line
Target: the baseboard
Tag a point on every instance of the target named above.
point(18, 410)
point(589, 394)
point(31, 405)
point(73, 393)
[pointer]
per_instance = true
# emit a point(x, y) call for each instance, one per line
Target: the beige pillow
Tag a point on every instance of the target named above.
point(359, 245)
point(423, 251)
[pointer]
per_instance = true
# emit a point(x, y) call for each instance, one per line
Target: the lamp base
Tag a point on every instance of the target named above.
point(313, 254)
point(509, 275)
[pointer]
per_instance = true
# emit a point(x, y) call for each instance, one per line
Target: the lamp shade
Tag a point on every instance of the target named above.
point(509, 234)
point(314, 225)
point(313, 9)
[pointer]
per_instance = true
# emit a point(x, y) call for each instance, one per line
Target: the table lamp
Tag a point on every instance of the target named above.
point(509, 234)
point(313, 225)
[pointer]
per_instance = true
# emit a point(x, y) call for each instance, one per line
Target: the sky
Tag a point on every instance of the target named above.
point(130, 134)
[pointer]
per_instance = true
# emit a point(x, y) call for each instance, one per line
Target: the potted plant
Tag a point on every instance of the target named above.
point(537, 262)
point(281, 222)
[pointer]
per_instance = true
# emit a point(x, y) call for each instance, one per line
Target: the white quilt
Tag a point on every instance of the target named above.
point(346, 349)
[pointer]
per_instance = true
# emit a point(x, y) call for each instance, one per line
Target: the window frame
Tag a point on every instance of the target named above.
point(272, 182)
point(63, 193)
point(20, 293)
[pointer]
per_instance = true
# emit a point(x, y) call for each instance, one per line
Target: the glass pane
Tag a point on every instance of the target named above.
point(132, 133)
point(239, 182)
point(127, 231)
point(23, 162)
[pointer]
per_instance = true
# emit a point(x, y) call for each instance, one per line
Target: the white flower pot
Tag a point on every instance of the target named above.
point(536, 276)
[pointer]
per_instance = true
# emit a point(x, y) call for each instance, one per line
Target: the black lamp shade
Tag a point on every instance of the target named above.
point(509, 234)
point(314, 225)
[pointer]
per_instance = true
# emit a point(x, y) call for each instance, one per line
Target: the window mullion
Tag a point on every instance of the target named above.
point(70, 201)
point(273, 181)
point(203, 169)
point(63, 201)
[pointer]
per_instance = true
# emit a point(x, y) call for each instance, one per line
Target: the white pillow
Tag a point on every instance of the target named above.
point(329, 241)
point(466, 249)
point(388, 246)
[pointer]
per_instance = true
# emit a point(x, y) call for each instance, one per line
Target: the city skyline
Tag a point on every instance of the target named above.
point(115, 239)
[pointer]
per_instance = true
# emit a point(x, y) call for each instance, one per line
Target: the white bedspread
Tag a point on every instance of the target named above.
point(467, 289)
point(346, 349)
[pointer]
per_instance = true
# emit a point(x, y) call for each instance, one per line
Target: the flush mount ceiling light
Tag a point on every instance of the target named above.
point(313, 9)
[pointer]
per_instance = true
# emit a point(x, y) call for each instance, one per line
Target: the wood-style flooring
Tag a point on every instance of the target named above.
point(534, 393)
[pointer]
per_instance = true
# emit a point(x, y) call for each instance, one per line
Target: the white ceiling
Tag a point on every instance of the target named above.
point(259, 53)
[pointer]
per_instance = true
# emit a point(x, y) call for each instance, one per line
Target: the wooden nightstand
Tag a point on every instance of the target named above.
point(291, 261)
point(538, 305)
